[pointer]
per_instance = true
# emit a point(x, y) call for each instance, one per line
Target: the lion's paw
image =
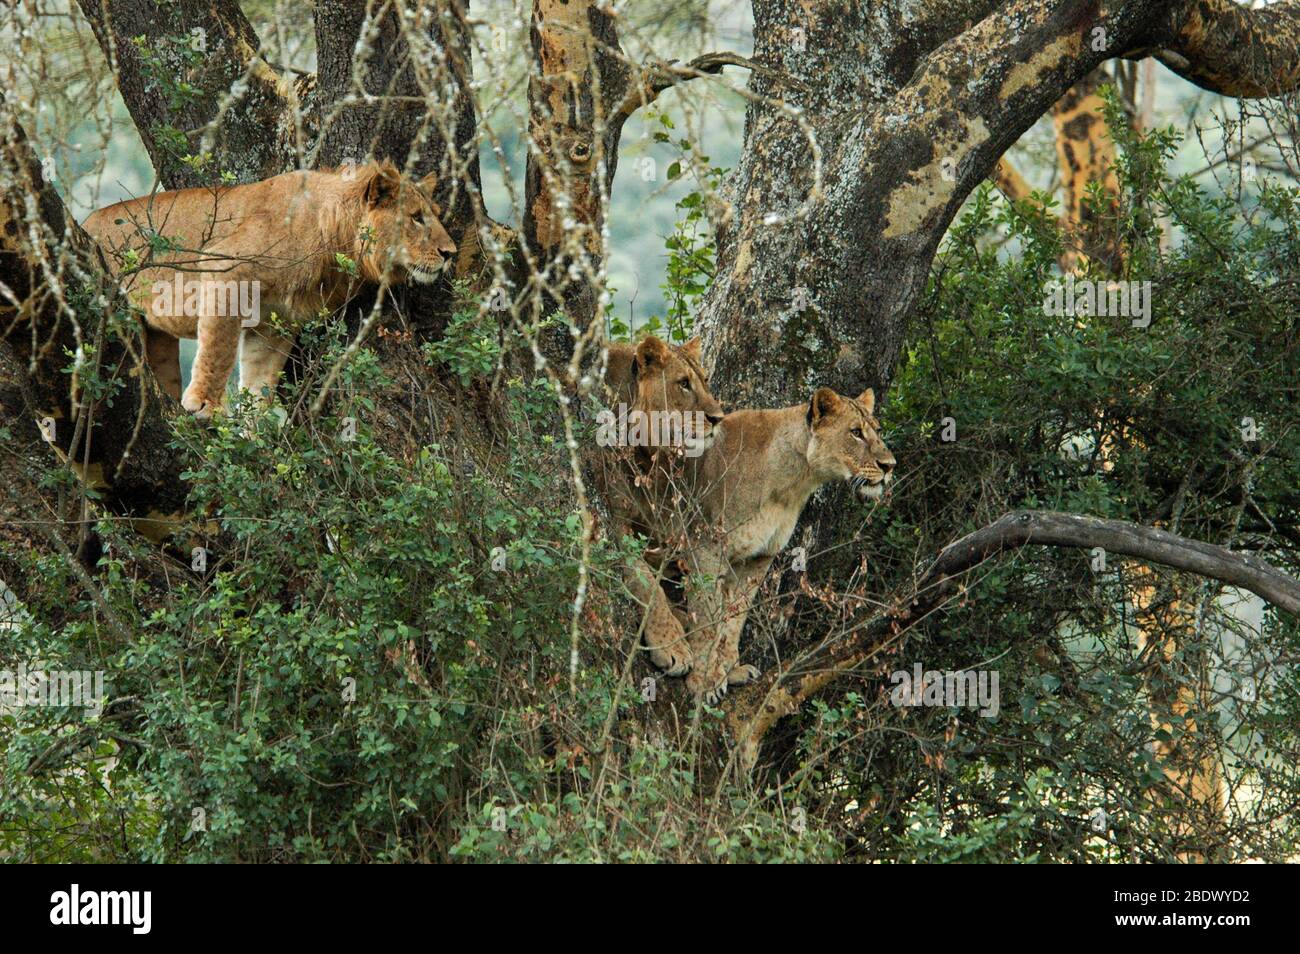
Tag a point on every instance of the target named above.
point(742, 674)
point(199, 404)
point(673, 660)
point(712, 688)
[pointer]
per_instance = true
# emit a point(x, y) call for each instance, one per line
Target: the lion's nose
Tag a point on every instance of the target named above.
point(886, 464)
point(714, 417)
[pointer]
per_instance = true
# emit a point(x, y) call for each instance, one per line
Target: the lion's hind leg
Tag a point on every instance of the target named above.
point(163, 355)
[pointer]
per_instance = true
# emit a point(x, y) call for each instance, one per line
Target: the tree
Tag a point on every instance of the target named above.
point(853, 169)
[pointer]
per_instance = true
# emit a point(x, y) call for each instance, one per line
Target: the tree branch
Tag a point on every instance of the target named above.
point(1047, 528)
point(657, 77)
point(1233, 50)
point(753, 710)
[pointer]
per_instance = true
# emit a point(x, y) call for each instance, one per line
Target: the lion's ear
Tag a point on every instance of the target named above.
point(650, 353)
point(868, 400)
point(429, 183)
point(692, 349)
point(382, 183)
point(824, 401)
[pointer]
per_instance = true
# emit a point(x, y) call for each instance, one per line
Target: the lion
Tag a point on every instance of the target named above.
point(751, 486)
point(209, 263)
point(640, 478)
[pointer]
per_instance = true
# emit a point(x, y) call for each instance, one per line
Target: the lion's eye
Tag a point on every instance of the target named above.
point(418, 218)
point(857, 432)
point(684, 384)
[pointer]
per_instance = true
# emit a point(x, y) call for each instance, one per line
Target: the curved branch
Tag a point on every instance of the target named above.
point(1233, 50)
point(754, 710)
point(657, 77)
point(1047, 528)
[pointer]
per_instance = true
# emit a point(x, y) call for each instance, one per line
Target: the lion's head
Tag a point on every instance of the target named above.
point(669, 378)
point(846, 443)
point(399, 229)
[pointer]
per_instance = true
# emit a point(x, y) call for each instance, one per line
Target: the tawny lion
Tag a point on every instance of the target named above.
point(751, 487)
point(197, 260)
point(640, 482)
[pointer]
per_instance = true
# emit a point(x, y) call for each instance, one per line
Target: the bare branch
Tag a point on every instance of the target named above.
point(753, 710)
point(1117, 536)
point(658, 77)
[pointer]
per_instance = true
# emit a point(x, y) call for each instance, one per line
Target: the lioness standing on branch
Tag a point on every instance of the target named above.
point(751, 487)
point(198, 260)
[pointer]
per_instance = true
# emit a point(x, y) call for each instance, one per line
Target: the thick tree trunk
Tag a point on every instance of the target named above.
point(816, 278)
point(394, 83)
point(57, 304)
point(1085, 153)
point(240, 107)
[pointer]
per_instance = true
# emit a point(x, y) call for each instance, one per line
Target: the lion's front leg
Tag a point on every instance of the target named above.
point(707, 598)
point(664, 636)
point(748, 581)
point(218, 346)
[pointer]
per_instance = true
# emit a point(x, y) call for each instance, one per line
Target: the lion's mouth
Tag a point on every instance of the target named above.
point(425, 274)
point(698, 444)
point(869, 488)
point(701, 442)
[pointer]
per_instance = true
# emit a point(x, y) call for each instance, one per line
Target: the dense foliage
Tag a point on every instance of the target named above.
point(375, 662)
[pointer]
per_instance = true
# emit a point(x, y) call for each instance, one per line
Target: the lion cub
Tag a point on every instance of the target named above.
point(639, 471)
point(751, 486)
point(213, 264)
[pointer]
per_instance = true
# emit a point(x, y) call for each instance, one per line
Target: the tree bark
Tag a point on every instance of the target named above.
point(1085, 154)
point(394, 83)
point(578, 100)
point(1231, 49)
point(110, 423)
point(239, 111)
